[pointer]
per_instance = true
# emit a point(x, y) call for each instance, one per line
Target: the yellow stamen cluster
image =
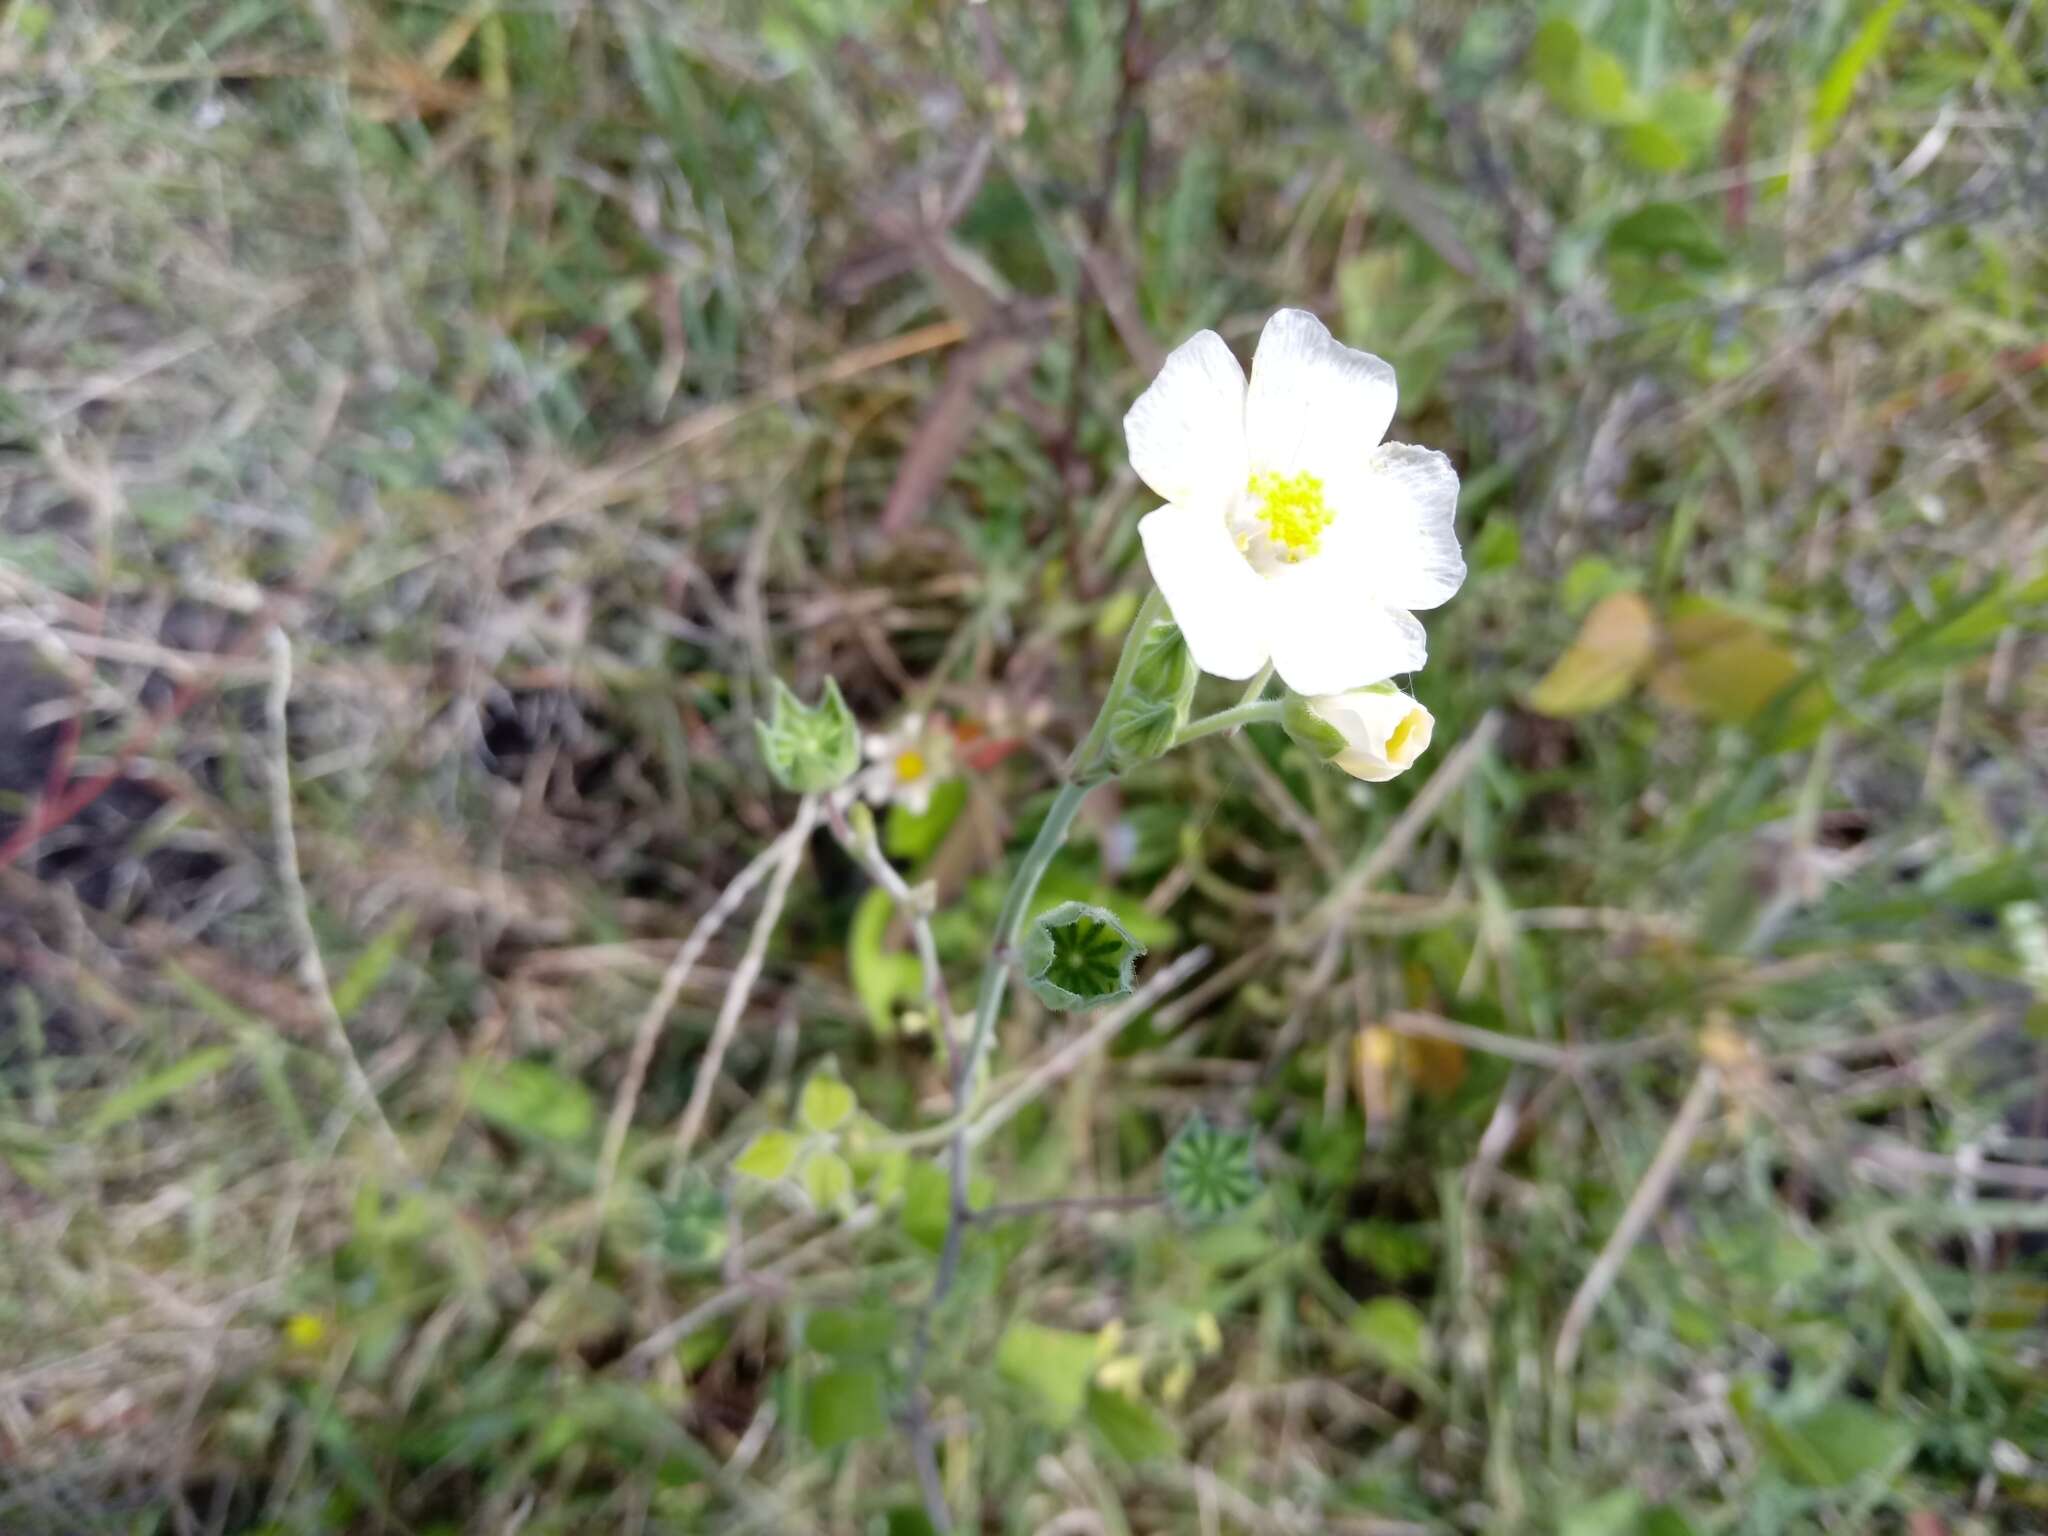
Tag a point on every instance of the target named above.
point(1293, 511)
point(910, 765)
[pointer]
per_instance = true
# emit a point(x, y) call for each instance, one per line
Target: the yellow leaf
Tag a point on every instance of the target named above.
point(1722, 665)
point(1436, 1067)
point(1600, 666)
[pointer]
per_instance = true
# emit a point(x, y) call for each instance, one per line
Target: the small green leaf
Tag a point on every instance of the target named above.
point(1836, 1444)
point(1579, 75)
point(1611, 1514)
point(913, 836)
point(768, 1156)
point(531, 1099)
point(1078, 956)
point(1499, 545)
point(825, 1105)
point(844, 1405)
point(851, 1333)
point(1132, 1428)
point(1209, 1173)
point(1681, 126)
point(1051, 1366)
point(1554, 56)
point(693, 1224)
point(372, 965)
point(139, 1098)
point(1677, 230)
point(882, 978)
point(809, 748)
point(1664, 1520)
point(1396, 1334)
point(828, 1181)
point(1838, 85)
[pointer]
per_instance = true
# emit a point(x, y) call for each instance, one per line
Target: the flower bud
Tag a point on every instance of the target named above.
point(1371, 733)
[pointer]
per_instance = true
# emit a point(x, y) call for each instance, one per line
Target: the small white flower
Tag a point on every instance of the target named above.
point(907, 763)
point(1371, 733)
point(1290, 533)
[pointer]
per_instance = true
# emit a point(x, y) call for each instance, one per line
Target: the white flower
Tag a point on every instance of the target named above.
point(907, 763)
point(1371, 733)
point(1290, 532)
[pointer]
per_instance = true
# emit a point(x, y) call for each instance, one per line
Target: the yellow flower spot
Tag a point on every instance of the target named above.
point(303, 1330)
point(1397, 743)
point(910, 765)
point(1125, 1374)
point(1293, 511)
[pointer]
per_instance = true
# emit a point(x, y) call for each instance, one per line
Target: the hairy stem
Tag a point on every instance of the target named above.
point(1229, 719)
point(1091, 746)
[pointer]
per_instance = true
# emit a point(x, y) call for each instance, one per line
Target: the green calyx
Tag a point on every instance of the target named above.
point(809, 748)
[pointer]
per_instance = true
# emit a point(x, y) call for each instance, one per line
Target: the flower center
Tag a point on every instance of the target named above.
point(1293, 512)
point(1397, 743)
point(909, 765)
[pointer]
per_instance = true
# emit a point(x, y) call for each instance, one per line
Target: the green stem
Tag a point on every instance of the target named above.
point(1052, 835)
point(1230, 719)
point(995, 975)
point(1091, 746)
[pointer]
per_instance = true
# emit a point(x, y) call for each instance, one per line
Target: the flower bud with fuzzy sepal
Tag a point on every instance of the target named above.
point(1371, 733)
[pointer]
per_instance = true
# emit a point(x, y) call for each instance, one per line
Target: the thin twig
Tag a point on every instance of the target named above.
point(1642, 1207)
point(916, 912)
point(648, 1035)
point(1339, 907)
point(1086, 1205)
point(1535, 1053)
point(744, 1289)
point(742, 985)
point(312, 969)
point(1084, 1045)
point(1408, 826)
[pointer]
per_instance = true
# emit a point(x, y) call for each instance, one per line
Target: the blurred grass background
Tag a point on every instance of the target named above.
point(555, 373)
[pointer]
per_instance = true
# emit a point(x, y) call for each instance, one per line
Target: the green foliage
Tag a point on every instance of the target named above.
point(825, 1105)
point(913, 836)
point(1840, 1442)
point(771, 1155)
point(145, 1094)
point(809, 748)
point(851, 1333)
point(1050, 1366)
point(1077, 957)
point(1209, 1173)
point(531, 1098)
point(883, 979)
point(845, 1404)
point(1393, 1332)
point(1838, 85)
point(1131, 1427)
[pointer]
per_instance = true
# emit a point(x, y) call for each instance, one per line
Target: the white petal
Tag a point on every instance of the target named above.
point(1396, 530)
point(1186, 432)
point(1329, 634)
point(1315, 404)
point(1221, 605)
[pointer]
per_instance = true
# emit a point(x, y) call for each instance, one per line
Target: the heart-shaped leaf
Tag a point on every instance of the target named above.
point(1078, 956)
point(825, 1104)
